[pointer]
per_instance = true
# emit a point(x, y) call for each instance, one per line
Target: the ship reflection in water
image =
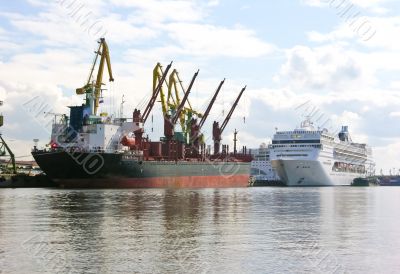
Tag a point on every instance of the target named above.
point(250, 230)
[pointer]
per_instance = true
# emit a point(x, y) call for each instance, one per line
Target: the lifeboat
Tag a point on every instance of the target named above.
point(128, 141)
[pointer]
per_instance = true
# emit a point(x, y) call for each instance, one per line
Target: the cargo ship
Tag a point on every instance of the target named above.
point(91, 150)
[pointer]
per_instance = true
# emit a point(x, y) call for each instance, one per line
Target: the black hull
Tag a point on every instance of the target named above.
point(111, 170)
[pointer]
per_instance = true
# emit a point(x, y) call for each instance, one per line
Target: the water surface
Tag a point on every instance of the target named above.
point(249, 230)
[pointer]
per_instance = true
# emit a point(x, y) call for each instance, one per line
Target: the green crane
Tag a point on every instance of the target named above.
point(4, 147)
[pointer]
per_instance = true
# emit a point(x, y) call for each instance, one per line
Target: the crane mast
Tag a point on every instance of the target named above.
point(195, 136)
point(156, 91)
point(157, 79)
point(169, 124)
point(93, 90)
point(218, 130)
point(210, 105)
point(174, 100)
point(171, 119)
point(185, 98)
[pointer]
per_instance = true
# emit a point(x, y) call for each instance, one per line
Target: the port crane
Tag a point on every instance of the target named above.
point(218, 130)
point(159, 77)
point(4, 147)
point(195, 136)
point(171, 119)
point(93, 89)
point(174, 85)
point(171, 100)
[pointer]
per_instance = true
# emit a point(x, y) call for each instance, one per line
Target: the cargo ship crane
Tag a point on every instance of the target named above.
point(204, 118)
point(195, 136)
point(218, 130)
point(159, 77)
point(93, 90)
point(4, 146)
point(185, 98)
point(173, 89)
point(171, 120)
point(157, 86)
point(169, 125)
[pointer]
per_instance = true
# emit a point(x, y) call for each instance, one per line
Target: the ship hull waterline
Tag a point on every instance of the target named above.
point(297, 173)
point(111, 171)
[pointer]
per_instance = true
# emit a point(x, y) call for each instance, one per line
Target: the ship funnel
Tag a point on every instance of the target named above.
point(344, 134)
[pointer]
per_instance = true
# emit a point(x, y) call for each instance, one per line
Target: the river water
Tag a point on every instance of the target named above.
point(248, 230)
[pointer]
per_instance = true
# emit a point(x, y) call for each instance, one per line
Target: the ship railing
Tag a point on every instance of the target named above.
point(351, 153)
point(349, 147)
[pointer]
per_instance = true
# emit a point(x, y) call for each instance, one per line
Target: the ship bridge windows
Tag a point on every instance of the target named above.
point(297, 146)
point(292, 155)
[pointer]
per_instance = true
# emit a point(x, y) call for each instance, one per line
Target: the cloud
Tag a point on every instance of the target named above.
point(322, 68)
point(387, 157)
point(153, 11)
point(209, 40)
point(375, 6)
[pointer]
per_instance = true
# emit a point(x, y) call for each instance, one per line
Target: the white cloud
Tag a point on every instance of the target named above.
point(375, 6)
point(203, 40)
point(152, 11)
point(387, 157)
point(323, 68)
point(394, 114)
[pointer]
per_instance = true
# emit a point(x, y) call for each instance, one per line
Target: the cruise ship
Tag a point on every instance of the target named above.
point(312, 157)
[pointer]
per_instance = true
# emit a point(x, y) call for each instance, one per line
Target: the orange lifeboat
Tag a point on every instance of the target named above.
point(128, 141)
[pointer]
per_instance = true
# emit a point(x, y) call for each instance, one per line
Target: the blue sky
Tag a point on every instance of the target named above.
point(339, 56)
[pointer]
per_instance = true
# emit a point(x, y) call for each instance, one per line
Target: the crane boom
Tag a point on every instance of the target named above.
point(204, 118)
point(105, 57)
point(157, 75)
point(3, 143)
point(154, 96)
point(93, 91)
point(228, 117)
point(183, 102)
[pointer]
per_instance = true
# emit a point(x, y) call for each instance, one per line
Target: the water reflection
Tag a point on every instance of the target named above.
point(305, 230)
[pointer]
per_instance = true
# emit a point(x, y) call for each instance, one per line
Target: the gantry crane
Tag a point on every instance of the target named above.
point(218, 130)
point(92, 89)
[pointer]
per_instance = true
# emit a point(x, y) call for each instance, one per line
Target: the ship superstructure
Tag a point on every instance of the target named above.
point(262, 172)
point(313, 157)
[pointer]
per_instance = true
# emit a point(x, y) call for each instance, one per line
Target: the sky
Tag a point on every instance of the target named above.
point(334, 60)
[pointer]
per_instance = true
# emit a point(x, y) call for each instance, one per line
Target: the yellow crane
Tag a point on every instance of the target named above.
point(93, 89)
point(170, 103)
point(157, 75)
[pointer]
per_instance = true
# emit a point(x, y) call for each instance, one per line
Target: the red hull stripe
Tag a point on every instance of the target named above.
point(158, 182)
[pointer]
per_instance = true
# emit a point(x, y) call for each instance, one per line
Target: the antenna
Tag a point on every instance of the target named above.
point(121, 109)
